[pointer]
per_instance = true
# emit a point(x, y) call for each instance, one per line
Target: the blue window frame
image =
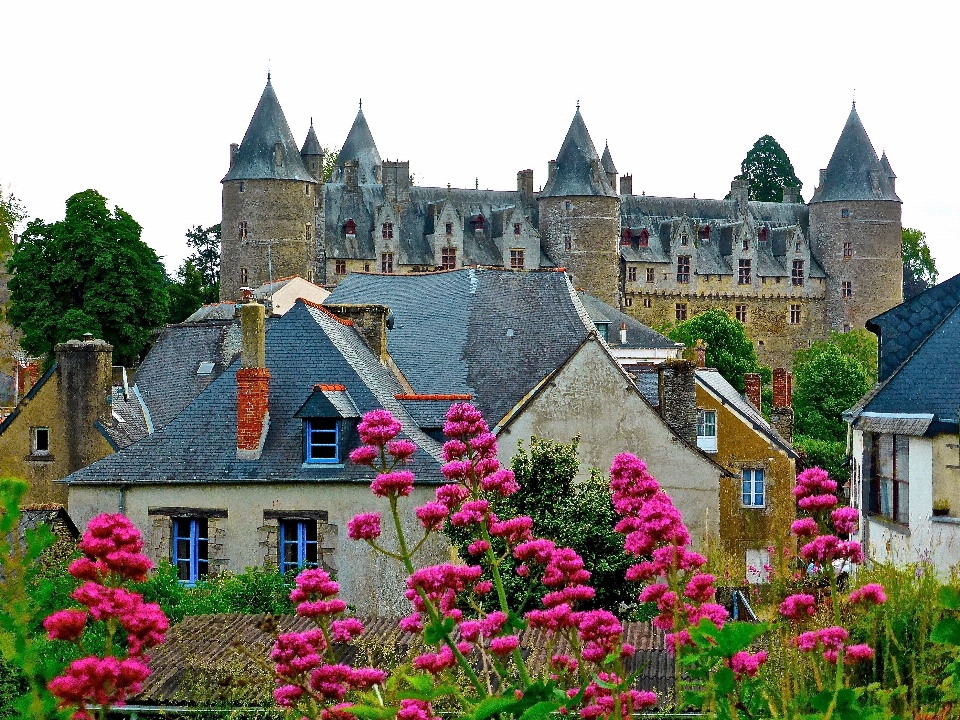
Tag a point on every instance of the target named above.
point(190, 549)
point(298, 544)
point(753, 489)
point(322, 438)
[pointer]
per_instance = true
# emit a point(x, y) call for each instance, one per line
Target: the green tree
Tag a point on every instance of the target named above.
point(205, 258)
point(330, 158)
point(11, 214)
point(919, 267)
point(729, 350)
point(859, 345)
point(89, 272)
point(769, 170)
point(188, 292)
point(824, 387)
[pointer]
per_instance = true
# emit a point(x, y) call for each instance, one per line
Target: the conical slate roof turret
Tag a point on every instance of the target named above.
point(885, 164)
point(607, 160)
point(311, 146)
point(257, 157)
point(854, 172)
point(361, 147)
point(575, 166)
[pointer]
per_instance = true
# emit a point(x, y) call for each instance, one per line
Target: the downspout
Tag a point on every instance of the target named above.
point(122, 500)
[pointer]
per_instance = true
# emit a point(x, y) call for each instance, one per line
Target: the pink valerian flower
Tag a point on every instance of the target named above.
point(478, 547)
point(464, 422)
point(814, 503)
point(601, 634)
point(482, 588)
point(412, 623)
point(98, 681)
point(504, 645)
point(401, 450)
point(814, 481)
point(438, 580)
point(313, 582)
point(431, 515)
point(743, 663)
point(435, 663)
point(796, 607)
point(286, 695)
point(343, 631)
point(145, 628)
point(378, 427)
point(452, 496)
point(700, 588)
point(454, 450)
point(501, 482)
point(805, 527)
point(415, 710)
point(365, 526)
point(337, 712)
point(106, 603)
point(872, 593)
point(599, 699)
point(857, 653)
point(845, 520)
point(393, 484)
point(297, 653)
point(471, 512)
point(65, 625)
point(820, 550)
point(115, 543)
point(832, 637)
point(365, 455)
point(632, 486)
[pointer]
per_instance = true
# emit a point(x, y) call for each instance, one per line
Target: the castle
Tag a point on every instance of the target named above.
point(789, 271)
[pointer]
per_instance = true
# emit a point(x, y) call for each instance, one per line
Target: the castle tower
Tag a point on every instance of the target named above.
point(312, 154)
point(360, 147)
point(580, 216)
point(269, 200)
point(855, 230)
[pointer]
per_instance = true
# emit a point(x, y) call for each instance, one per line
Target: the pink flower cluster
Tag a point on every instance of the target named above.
point(744, 663)
point(112, 547)
point(832, 641)
point(599, 698)
point(378, 430)
point(315, 594)
point(815, 493)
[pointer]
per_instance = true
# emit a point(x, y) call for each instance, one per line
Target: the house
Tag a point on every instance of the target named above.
point(281, 294)
point(253, 471)
point(904, 434)
point(524, 347)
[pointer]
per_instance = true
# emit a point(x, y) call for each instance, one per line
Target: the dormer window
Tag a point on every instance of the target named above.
point(322, 440)
point(684, 240)
point(762, 234)
point(516, 228)
point(746, 243)
point(350, 228)
point(327, 414)
point(644, 238)
point(626, 237)
point(478, 223)
point(386, 231)
point(705, 232)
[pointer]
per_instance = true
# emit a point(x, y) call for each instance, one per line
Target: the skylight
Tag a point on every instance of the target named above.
point(205, 368)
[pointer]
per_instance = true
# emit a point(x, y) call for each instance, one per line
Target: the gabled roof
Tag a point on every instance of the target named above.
point(493, 333)
point(607, 160)
point(854, 172)
point(256, 158)
point(574, 175)
point(311, 146)
point(638, 334)
point(304, 347)
point(359, 146)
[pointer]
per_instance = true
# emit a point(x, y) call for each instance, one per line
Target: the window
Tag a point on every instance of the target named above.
point(631, 274)
point(796, 247)
point(684, 240)
point(649, 274)
point(322, 440)
point(683, 268)
point(628, 301)
point(846, 289)
point(366, 267)
point(744, 277)
point(340, 267)
point(846, 327)
point(603, 330)
point(190, 549)
point(567, 243)
point(746, 243)
point(386, 231)
point(478, 223)
point(681, 311)
point(516, 258)
point(567, 205)
point(648, 302)
point(845, 213)
point(889, 478)
point(794, 314)
point(753, 491)
point(644, 238)
point(742, 313)
point(306, 188)
point(386, 262)
point(762, 234)
point(448, 258)
point(705, 232)
point(707, 430)
point(244, 277)
point(298, 544)
point(516, 228)
point(205, 368)
point(307, 232)
point(798, 273)
point(243, 186)
point(242, 230)
point(40, 441)
point(847, 250)
point(449, 228)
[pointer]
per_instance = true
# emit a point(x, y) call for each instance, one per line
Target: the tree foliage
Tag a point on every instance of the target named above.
point(859, 345)
point(729, 350)
point(824, 386)
point(12, 213)
point(330, 158)
point(769, 170)
point(919, 267)
point(197, 281)
point(89, 272)
point(205, 258)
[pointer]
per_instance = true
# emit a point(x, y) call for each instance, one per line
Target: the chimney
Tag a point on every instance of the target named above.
point(25, 377)
point(752, 383)
point(791, 194)
point(370, 321)
point(701, 351)
point(525, 185)
point(678, 397)
point(351, 170)
point(823, 175)
point(790, 389)
point(396, 180)
point(253, 384)
point(551, 170)
point(626, 184)
point(234, 150)
point(623, 333)
point(781, 417)
point(740, 190)
point(84, 377)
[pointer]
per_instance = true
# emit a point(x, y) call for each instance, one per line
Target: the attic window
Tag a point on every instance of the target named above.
point(625, 237)
point(205, 368)
point(478, 222)
point(644, 238)
point(243, 186)
point(705, 232)
point(40, 441)
point(516, 228)
point(449, 228)
point(350, 227)
point(386, 231)
point(567, 205)
point(762, 234)
point(567, 243)
point(746, 243)
point(684, 240)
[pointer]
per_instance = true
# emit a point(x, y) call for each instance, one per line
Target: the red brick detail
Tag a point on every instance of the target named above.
point(752, 382)
point(321, 308)
point(27, 377)
point(323, 387)
point(253, 394)
point(790, 389)
point(781, 388)
point(450, 397)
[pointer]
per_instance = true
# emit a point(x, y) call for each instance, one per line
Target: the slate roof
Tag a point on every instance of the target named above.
point(848, 174)
point(255, 158)
point(574, 175)
point(168, 380)
point(359, 146)
point(638, 334)
point(903, 328)
point(304, 347)
point(213, 311)
point(311, 146)
point(638, 211)
point(607, 160)
point(131, 419)
point(493, 333)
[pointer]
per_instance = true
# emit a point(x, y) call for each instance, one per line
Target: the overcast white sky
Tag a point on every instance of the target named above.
point(142, 100)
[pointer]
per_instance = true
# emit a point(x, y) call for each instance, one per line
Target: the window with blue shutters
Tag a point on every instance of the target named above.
point(298, 544)
point(754, 490)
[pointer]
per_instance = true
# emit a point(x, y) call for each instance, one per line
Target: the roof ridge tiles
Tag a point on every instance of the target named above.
point(321, 308)
point(434, 397)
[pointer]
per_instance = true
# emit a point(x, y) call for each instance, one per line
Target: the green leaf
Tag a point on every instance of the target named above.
point(540, 710)
point(695, 699)
point(821, 701)
point(724, 680)
point(737, 636)
point(950, 598)
point(371, 712)
point(438, 630)
point(946, 632)
point(491, 706)
point(423, 683)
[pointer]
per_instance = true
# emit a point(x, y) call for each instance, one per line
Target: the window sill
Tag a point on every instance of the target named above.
point(945, 519)
point(889, 523)
point(323, 465)
point(38, 457)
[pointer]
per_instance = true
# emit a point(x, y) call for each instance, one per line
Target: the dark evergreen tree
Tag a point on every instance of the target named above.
point(768, 170)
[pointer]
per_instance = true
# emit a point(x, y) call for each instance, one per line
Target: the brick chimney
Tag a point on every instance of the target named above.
point(700, 349)
point(370, 321)
point(752, 383)
point(26, 373)
point(253, 384)
point(84, 378)
point(781, 417)
point(678, 397)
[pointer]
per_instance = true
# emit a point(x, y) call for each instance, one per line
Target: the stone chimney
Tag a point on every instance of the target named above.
point(351, 175)
point(678, 397)
point(84, 382)
point(823, 176)
point(370, 321)
point(551, 170)
point(752, 383)
point(700, 350)
point(234, 150)
point(740, 190)
point(525, 185)
point(626, 184)
point(791, 194)
point(781, 417)
point(253, 384)
point(396, 180)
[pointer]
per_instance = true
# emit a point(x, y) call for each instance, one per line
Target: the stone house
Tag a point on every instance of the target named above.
point(904, 435)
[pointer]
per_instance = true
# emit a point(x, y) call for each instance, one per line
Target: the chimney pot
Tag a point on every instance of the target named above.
point(623, 333)
point(701, 351)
